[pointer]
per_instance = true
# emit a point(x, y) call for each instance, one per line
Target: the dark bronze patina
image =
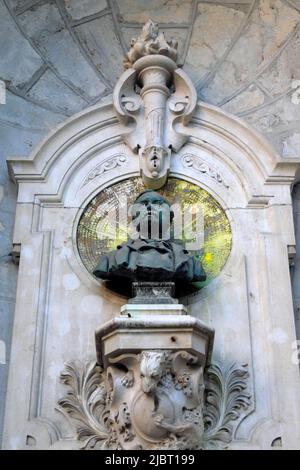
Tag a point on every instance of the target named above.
point(153, 256)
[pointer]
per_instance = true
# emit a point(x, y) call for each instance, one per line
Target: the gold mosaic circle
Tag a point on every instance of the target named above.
point(98, 233)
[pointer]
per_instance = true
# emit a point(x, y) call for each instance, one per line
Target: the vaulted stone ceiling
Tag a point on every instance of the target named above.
point(60, 56)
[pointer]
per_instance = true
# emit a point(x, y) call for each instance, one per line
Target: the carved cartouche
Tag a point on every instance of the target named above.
point(153, 255)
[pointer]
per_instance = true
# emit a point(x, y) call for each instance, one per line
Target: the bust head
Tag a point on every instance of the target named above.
point(150, 254)
point(153, 215)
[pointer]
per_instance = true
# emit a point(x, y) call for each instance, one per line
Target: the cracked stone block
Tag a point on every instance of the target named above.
point(246, 100)
point(80, 8)
point(7, 220)
point(172, 11)
point(100, 39)
point(8, 276)
point(269, 27)
point(296, 270)
point(213, 30)
point(18, 60)
point(46, 28)
point(50, 89)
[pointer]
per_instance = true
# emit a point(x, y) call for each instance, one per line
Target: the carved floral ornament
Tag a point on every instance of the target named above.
point(155, 95)
point(195, 162)
point(108, 164)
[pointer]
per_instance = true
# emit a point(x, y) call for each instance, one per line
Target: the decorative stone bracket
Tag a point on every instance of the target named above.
point(156, 400)
point(155, 95)
point(149, 390)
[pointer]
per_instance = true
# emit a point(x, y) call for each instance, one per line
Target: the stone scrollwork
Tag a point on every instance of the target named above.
point(157, 399)
point(108, 164)
point(154, 94)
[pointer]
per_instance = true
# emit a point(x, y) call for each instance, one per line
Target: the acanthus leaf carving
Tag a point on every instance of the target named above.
point(85, 403)
point(226, 398)
point(155, 400)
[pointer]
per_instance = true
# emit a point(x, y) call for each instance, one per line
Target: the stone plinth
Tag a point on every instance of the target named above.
point(145, 332)
point(136, 310)
point(153, 293)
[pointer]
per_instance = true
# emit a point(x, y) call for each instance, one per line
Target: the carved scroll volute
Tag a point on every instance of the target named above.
point(181, 106)
point(155, 95)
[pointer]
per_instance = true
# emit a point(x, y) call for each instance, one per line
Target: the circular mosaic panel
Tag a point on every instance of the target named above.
point(101, 227)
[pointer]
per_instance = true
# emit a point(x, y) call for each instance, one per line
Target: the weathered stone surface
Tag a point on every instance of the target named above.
point(269, 27)
point(213, 30)
point(6, 321)
point(25, 116)
point(23, 124)
point(81, 8)
point(279, 77)
point(172, 11)
point(246, 100)
point(8, 277)
point(278, 121)
point(238, 304)
point(291, 145)
point(101, 41)
point(146, 332)
point(46, 28)
point(61, 96)
point(153, 293)
point(20, 62)
point(296, 268)
point(179, 35)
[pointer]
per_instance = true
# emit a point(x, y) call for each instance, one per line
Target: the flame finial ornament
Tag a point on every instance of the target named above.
point(149, 42)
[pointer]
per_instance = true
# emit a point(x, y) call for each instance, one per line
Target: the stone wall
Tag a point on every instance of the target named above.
point(296, 268)
point(60, 57)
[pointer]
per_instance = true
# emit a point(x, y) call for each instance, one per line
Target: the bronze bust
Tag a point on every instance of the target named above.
point(153, 255)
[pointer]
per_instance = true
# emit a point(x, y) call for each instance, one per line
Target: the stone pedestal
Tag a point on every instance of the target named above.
point(153, 293)
point(154, 357)
point(151, 328)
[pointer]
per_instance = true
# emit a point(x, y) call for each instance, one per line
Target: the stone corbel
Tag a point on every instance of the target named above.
point(151, 97)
